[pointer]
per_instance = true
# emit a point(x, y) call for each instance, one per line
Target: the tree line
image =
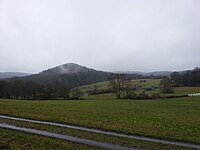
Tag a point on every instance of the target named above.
point(188, 78)
point(22, 89)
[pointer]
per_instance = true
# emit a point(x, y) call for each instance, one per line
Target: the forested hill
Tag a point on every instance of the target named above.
point(70, 75)
point(187, 78)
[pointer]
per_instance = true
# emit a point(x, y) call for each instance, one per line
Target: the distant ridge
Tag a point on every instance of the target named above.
point(159, 73)
point(4, 75)
point(147, 74)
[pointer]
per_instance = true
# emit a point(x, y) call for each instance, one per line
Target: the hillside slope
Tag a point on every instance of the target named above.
point(70, 75)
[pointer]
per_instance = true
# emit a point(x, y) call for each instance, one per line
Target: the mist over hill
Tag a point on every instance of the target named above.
point(67, 69)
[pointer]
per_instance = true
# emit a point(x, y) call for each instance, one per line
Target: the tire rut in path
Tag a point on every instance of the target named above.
point(67, 137)
point(143, 138)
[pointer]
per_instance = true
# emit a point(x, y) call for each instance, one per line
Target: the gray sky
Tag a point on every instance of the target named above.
point(111, 35)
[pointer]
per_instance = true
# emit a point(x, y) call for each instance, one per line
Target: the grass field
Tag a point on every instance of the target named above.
point(105, 84)
point(14, 140)
point(178, 91)
point(77, 133)
point(100, 85)
point(176, 119)
point(186, 90)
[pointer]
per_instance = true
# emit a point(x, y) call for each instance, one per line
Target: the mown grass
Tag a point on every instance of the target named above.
point(178, 91)
point(176, 119)
point(100, 85)
point(94, 136)
point(15, 140)
point(148, 82)
point(108, 96)
point(186, 90)
point(105, 85)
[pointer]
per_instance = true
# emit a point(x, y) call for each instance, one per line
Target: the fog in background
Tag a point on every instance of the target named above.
point(110, 35)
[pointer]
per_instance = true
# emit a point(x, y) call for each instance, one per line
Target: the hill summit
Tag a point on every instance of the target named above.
point(67, 69)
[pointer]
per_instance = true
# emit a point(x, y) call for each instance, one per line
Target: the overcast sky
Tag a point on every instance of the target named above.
point(110, 35)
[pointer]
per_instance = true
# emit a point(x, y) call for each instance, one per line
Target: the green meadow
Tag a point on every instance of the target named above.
point(178, 91)
point(176, 119)
point(105, 84)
